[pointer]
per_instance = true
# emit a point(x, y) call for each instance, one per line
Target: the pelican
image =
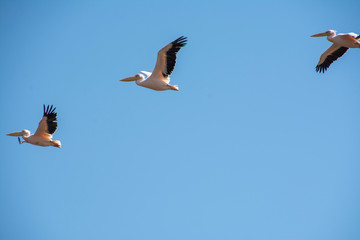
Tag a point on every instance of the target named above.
point(341, 43)
point(42, 136)
point(159, 79)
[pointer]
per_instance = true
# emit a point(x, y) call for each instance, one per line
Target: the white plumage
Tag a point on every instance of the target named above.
point(43, 135)
point(341, 43)
point(159, 79)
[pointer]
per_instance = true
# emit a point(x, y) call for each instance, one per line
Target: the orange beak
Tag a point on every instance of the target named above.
point(129, 79)
point(15, 134)
point(323, 34)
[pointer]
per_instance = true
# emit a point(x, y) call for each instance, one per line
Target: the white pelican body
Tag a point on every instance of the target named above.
point(341, 43)
point(42, 136)
point(159, 79)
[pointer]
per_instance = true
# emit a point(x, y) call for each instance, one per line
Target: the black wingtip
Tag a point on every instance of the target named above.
point(48, 109)
point(171, 54)
point(330, 59)
point(180, 42)
point(320, 69)
point(51, 115)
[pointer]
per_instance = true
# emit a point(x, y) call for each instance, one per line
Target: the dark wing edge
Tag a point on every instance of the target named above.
point(330, 59)
point(171, 54)
point(50, 114)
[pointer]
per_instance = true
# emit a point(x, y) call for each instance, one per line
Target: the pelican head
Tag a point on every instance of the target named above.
point(323, 34)
point(133, 78)
point(24, 132)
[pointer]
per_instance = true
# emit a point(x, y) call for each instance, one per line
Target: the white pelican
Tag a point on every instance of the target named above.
point(341, 43)
point(42, 136)
point(159, 79)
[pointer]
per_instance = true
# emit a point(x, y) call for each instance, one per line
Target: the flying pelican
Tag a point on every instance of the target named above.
point(341, 43)
point(42, 136)
point(159, 79)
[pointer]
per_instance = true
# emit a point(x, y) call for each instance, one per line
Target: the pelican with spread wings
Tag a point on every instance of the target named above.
point(341, 43)
point(159, 79)
point(43, 135)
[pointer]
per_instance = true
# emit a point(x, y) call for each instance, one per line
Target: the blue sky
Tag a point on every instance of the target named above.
point(255, 145)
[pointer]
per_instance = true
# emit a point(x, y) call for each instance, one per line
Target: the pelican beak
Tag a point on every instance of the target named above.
point(129, 79)
point(323, 34)
point(15, 134)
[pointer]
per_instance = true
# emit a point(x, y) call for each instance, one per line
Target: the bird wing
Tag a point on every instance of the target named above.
point(166, 59)
point(47, 124)
point(353, 35)
point(351, 38)
point(329, 56)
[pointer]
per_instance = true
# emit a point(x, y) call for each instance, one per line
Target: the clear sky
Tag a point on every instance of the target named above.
point(256, 145)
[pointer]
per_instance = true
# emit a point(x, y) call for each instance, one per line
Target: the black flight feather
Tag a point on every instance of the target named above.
point(171, 55)
point(330, 59)
point(50, 113)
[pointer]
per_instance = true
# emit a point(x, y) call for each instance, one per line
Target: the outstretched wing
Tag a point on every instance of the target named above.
point(329, 56)
point(166, 59)
point(47, 124)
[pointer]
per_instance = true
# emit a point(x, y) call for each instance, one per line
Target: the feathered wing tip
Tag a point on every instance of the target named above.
point(321, 68)
point(171, 54)
point(180, 42)
point(49, 110)
point(50, 113)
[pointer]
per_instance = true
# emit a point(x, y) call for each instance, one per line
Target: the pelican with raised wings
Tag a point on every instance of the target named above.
point(42, 136)
point(159, 79)
point(341, 43)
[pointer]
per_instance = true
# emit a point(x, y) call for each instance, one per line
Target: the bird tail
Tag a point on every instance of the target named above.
point(174, 87)
point(56, 143)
